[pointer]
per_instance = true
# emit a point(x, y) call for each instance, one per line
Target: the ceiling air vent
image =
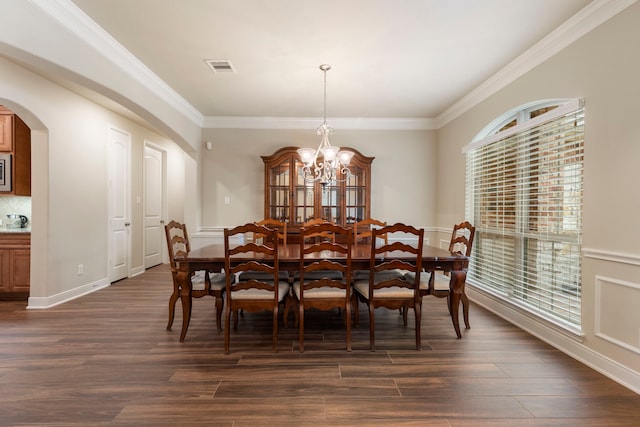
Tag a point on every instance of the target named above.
point(220, 65)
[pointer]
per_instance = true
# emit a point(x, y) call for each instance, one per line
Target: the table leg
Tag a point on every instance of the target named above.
point(458, 279)
point(185, 297)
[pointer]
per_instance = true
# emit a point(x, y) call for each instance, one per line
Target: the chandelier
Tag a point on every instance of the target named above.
point(327, 164)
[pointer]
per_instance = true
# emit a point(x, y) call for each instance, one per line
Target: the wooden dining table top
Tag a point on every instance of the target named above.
point(212, 257)
point(291, 252)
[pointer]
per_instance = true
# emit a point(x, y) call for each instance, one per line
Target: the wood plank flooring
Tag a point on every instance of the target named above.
point(106, 360)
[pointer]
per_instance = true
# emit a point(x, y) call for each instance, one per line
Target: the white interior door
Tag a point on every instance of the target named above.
point(119, 207)
point(154, 178)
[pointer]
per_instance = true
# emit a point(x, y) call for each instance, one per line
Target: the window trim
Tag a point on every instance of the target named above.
point(562, 110)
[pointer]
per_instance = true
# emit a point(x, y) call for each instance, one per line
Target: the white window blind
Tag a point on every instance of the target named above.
point(524, 196)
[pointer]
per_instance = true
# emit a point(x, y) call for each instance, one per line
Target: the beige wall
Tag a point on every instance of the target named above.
point(405, 162)
point(603, 67)
point(69, 182)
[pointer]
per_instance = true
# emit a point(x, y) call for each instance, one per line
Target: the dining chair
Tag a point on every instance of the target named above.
point(203, 283)
point(384, 287)
point(437, 283)
point(252, 293)
point(324, 284)
point(281, 226)
point(363, 230)
point(319, 236)
point(461, 243)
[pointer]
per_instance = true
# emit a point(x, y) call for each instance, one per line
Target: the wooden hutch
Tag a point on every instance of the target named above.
point(287, 197)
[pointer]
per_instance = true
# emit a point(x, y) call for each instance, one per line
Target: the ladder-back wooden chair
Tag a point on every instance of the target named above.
point(384, 287)
point(203, 283)
point(253, 293)
point(281, 226)
point(318, 236)
point(363, 230)
point(437, 283)
point(324, 284)
point(461, 243)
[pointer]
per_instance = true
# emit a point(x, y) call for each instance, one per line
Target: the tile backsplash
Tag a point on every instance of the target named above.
point(15, 205)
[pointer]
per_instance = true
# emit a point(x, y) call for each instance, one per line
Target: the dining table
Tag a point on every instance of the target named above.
point(212, 258)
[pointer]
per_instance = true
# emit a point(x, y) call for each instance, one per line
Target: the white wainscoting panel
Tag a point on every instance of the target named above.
point(623, 326)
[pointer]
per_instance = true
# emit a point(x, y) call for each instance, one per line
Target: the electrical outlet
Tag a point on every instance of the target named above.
point(80, 269)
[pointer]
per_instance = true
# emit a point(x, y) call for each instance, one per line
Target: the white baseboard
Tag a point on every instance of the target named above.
point(136, 271)
point(48, 302)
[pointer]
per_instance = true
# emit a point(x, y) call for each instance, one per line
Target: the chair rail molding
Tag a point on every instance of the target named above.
point(604, 255)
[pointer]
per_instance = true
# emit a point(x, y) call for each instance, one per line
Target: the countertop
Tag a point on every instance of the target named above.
point(5, 230)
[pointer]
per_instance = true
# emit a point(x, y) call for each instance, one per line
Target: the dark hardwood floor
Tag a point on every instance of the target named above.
point(106, 359)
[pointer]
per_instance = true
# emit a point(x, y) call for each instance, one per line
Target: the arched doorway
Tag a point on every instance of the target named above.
point(38, 200)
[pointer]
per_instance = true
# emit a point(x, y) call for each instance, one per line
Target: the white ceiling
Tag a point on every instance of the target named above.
point(389, 58)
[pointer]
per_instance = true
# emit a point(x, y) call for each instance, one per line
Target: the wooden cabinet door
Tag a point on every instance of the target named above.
point(6, 132)
point(277, 190)
point(5, 282)
point(19, 265)
point(15, 262)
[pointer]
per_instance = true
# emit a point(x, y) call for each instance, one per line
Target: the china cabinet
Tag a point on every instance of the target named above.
point(287, 197)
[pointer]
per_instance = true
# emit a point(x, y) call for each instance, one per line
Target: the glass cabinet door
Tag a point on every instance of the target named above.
point(278, 188)
point(356, 196)
point(304, 198)
point(330, 203)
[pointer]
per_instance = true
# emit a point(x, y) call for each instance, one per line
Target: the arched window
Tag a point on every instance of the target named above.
point(524, 196)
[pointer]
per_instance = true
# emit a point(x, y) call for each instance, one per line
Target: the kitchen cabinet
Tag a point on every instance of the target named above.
point(15, 140)
point(6, 132)
point(15, 259)
point(287, 197)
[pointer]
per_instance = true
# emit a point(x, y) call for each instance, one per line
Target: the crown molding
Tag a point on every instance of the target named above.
point(313, 122)
point(76, 21)
point(71, 17)
point(593, 15)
